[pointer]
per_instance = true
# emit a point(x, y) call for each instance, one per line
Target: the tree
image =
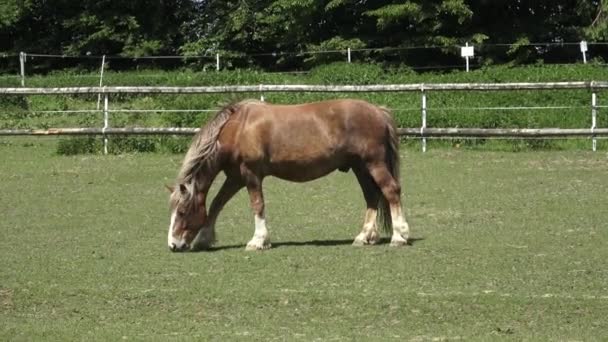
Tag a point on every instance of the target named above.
point(598, 10)
point(525, 23)
point(419, 23)
point(262, 28)
point(281, 34)
point(247, 27)
point(130, 28)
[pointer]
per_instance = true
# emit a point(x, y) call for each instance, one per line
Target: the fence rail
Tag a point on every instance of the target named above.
point(422, 132)
point(407, 132)
point(268, 88)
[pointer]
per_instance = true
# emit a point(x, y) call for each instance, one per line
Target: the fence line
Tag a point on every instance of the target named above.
point(428, 132)
point(408, 109)
point(317, 52)
point(263, 88)
point(347, 52)
point(422, 132)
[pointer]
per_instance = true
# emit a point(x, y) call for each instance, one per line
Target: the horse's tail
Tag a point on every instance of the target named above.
point(392, 162)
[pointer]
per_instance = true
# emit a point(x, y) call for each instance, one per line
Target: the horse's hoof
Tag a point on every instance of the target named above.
point(359, 243)
point(201, 247)
point(257, 247)
point(398, 243)
point(372, 240)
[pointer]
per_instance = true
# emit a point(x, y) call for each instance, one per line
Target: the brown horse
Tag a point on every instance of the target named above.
point(250, 140)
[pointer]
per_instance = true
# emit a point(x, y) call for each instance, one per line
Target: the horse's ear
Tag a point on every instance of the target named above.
point(169, 188)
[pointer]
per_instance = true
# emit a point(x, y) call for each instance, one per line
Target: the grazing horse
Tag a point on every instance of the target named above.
point(250, 140)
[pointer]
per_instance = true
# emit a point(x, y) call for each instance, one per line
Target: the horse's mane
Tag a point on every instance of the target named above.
point(203, 149)
point(202, 154)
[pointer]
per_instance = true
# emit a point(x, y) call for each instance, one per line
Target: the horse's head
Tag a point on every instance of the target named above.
point(188, 215)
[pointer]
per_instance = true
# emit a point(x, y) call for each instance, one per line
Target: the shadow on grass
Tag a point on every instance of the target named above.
point(317, 243)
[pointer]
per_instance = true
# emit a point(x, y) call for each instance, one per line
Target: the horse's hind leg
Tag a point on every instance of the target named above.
point(260, 238)
point(369, 234)
point(392, 192)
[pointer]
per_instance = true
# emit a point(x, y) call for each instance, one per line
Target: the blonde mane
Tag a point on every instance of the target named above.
point(202, 154)
point(203, 151)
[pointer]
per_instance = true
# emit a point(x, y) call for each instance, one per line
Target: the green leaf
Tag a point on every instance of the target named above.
point(457, 8)
point(395, 12)
point(333, 4)
point(516, 47)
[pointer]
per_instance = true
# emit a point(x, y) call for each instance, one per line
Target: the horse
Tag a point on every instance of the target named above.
point(250, 140)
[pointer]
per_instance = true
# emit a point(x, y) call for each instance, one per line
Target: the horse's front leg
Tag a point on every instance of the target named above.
point(260, 240)
point(206, 236)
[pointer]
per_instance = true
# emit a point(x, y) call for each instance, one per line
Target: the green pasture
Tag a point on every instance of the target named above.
point(506, 246)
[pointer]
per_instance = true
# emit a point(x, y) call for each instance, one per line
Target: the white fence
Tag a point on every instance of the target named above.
point(421, 132)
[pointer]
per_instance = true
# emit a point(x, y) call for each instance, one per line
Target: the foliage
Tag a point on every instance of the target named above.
point(331, 50)
point(274, 34)
point(94, 27)
point(598, 29)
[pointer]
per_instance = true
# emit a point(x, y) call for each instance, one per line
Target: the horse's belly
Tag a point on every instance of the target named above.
point(298, 171)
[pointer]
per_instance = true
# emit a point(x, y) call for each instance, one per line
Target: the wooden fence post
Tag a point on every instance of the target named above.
point(423, 126)
point(105, 122)
point(22, 57)
point(593, 120)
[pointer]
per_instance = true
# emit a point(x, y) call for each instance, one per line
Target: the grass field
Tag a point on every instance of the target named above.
point(506, 246)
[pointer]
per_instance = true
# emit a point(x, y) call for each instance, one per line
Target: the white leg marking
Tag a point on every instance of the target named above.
point(369, 234)
point(401, 229)
point(370, 220)
point(260, 236)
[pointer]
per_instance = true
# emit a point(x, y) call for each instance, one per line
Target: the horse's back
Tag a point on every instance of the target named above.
point(319, 137)
point(326, 119)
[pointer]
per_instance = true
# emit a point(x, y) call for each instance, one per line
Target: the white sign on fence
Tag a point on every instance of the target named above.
point(467, 51)
point(584, 50)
